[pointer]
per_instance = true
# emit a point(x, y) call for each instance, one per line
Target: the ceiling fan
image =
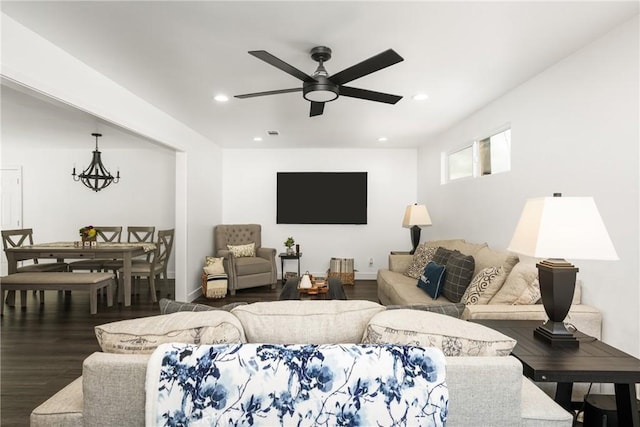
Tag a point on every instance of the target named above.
point(321, 87)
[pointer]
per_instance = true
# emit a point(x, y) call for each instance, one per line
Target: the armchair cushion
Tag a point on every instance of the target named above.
point(252, 265)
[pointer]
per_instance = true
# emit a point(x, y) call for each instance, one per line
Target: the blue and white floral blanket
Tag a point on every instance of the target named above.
point(296, 385)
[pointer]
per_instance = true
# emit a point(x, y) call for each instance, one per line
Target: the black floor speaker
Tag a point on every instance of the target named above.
point(600, 411)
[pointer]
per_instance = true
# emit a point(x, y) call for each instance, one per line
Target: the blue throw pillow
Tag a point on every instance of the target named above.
point(431, 279)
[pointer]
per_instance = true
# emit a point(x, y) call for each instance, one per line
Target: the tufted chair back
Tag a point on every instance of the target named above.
point(236, 234)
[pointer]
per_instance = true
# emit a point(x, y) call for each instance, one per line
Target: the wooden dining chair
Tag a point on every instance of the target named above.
point(156, 267)
point(135, 234)
point(23, 237)
point(105, 234)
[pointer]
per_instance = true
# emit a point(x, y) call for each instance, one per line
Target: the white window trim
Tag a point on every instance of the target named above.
point(475, 162)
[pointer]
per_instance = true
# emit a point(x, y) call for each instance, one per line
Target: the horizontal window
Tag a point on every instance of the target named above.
point(486, 156)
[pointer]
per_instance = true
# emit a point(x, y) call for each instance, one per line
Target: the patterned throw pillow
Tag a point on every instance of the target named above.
point(213, 265)
point(239, 251)
point(484, 286)
point(459, 269)
point(421, 258)
point(143, 335)
point(454, 337)
point(431, 279)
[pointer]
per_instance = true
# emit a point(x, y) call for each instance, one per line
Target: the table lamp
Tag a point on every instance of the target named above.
point(557, 228)
point(415, 216)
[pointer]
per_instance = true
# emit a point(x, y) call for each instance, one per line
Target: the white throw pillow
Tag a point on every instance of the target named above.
point(530, 295)
point(214, 265)
point(143, 335)
point(453, 336)
point(521, 277)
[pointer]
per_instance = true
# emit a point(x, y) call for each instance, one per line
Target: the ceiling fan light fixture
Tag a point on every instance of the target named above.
point(322, 90)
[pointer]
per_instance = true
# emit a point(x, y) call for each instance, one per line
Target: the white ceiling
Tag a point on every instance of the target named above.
point(178, 55)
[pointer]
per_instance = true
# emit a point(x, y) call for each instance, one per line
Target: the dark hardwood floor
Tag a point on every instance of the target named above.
point(42, 347)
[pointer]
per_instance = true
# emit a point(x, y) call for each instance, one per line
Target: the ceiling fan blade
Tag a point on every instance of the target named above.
point(281, 65)
point(317, 108)
point(368, 66)
point(369, 95)
point(269, 92)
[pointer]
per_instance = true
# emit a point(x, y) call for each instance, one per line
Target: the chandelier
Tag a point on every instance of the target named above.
point(96, 176)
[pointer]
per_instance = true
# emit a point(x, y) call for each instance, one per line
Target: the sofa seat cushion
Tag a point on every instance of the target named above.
point(396, 288)
point(252, 265)
point(299, 384)
point(309, 321)
point(62, 409)
point(143, 335)
point(454, 337)
point(538, 409)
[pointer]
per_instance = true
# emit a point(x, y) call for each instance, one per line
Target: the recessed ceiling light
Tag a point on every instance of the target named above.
point(257, 139)
point(383, 139)
point(221, 97)
point(420, 97)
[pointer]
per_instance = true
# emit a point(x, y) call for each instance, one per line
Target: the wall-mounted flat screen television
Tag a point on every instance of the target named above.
point(321, 198)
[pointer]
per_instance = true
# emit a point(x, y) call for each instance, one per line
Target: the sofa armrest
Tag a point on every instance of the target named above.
point(399, 263)
point(490, 386)
point(585, 318)
point(113, 386)
point(266, 253)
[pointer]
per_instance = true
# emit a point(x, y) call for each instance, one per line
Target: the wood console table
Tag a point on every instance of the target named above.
point(592, 361)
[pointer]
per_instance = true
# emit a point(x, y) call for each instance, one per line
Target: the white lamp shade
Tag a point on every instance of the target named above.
point(562, 227)
point(416, 215)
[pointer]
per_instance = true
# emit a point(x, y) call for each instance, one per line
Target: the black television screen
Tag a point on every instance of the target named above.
point(321, 198)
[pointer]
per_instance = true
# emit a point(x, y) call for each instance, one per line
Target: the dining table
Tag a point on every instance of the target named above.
point(76, 250)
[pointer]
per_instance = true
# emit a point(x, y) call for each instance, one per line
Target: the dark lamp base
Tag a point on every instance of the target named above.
point(557, 283)
point(556, 335)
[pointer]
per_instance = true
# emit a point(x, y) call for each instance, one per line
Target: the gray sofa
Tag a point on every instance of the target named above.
point(396, 288)
point(487, 390)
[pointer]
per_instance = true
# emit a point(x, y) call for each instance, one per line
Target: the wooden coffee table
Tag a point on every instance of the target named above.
point(592, 361)
point(334, 290)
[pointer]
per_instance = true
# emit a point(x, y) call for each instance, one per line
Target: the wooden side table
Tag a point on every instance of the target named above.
point(592, 361)
point(284, 256)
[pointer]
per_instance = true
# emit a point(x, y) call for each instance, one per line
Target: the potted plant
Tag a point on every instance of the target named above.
point(289, 244)
point(88, 233)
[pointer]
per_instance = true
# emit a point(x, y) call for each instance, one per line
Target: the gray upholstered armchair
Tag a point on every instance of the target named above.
point(246, 271)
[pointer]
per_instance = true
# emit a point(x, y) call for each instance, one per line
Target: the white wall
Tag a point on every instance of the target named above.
point(37, 136)
point(198, 160)
point(250, 197)
point(574, 131)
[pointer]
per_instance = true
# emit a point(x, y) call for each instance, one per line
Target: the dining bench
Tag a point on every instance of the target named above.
point(59, 281)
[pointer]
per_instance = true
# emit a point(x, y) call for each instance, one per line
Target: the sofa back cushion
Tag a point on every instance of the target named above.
point(453, 336)
point(143, 335)
point(487, 257)
point(308, 322)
